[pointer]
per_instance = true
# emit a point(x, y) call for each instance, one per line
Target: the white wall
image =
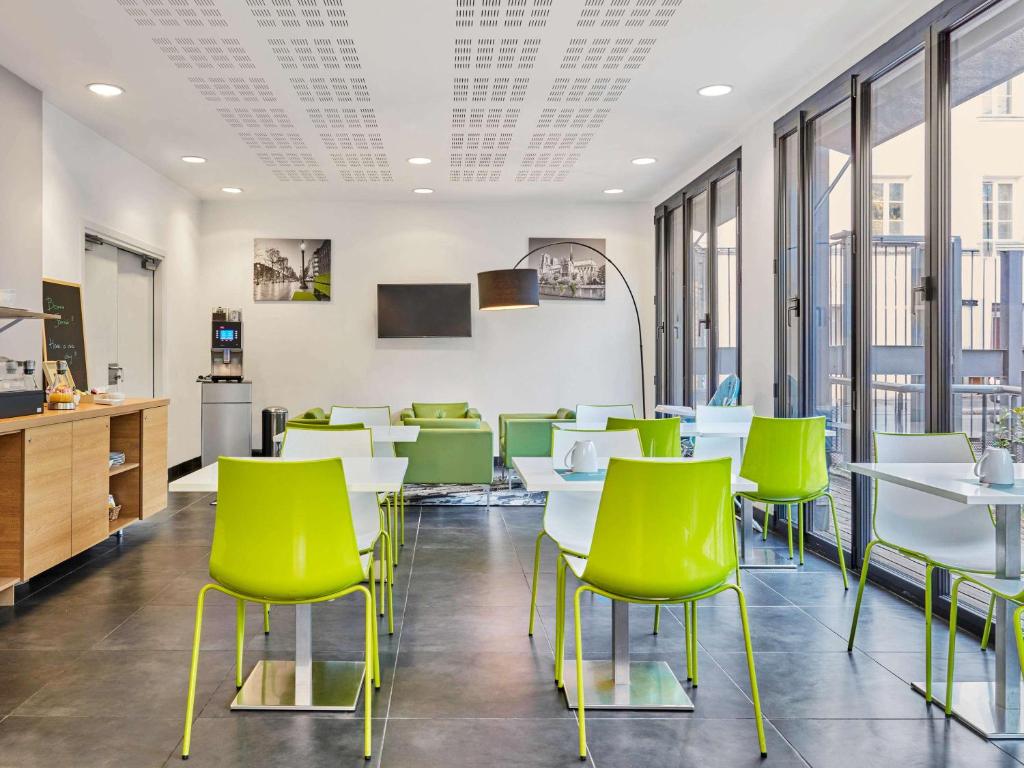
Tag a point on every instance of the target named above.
point(21, 110)
point(300, 354)
point(88, 181)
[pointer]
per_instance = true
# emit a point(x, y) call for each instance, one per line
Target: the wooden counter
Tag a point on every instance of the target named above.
point(54, 481)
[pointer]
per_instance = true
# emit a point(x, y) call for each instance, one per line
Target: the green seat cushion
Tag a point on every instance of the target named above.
point(443, 423)
point(440, 410)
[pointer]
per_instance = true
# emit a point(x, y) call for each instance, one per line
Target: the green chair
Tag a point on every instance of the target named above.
point(284, 535)
point(454, 445)
point(659, 438)
point(786, 458)
point(528, 434)
point(665, 535)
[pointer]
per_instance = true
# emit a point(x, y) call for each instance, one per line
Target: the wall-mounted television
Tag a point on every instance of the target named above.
point(417, 311)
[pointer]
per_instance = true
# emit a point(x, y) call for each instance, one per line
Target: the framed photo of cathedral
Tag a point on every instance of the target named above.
point(568, 271)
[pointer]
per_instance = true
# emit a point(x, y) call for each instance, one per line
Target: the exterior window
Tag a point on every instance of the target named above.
point(996, 214)
point(887, 208)
point(998, 102)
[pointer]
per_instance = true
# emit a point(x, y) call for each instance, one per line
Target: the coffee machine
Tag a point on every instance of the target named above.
point(226, 345)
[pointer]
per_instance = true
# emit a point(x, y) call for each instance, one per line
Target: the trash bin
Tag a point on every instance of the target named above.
point(274, 419)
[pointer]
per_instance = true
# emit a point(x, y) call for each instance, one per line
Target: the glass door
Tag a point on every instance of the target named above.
point(830, 301)
point(697, 293)
point(675, 307)
point(726, 320)
point(790, 272)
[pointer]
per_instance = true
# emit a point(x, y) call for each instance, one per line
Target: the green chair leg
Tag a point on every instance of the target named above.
point(754, 695)
point(860, 594)
point(951, 653)
point(839, 546)
point(373, 663)
point(239, 640)
point(371, 654)
point(266, 618)
point(401, 520)
point(1019, 635)
point(764, 528)
point(693, 641)
point(928, 632)
point(657, 618)
point(800, 529)
point(193, 672)
point(536, 576)
point(789, 529)
point(689, 650)
point(988, 623)
point(580, 707)
point(560, 569)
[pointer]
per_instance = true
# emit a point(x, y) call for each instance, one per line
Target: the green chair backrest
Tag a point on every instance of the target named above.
point(440, 410)
point(659, 438)
point(664, 529)
point(283, 529)
point(786, 457)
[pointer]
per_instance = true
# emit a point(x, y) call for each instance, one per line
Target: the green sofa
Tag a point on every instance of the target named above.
point(313, 417)
point(528, 434)
point(454, 445)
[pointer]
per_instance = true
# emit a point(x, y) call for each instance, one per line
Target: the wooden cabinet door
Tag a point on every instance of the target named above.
point(47, 497)
point(154, 460)
point(90, 444)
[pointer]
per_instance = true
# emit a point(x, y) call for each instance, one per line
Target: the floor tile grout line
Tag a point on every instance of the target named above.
point(575, 715)
point(398, 642)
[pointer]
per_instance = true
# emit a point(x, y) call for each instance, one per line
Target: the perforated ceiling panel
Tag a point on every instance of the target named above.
point(317, 14)
point(286, 78)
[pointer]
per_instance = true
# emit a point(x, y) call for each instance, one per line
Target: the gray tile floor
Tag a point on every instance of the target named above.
point(93, 666)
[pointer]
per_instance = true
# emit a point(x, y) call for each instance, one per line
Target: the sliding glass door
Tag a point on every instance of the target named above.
point(700, 318)
point(725, 322)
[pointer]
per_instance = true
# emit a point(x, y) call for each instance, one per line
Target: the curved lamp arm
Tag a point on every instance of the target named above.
point(636, 310)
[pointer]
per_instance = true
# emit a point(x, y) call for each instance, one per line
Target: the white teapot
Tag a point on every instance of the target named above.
point(582, 457)
point(995, 467)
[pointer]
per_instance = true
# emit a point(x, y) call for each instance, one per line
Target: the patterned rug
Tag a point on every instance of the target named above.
point(473, 495)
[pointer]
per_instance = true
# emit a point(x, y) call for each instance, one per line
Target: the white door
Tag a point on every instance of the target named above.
point(117, 294)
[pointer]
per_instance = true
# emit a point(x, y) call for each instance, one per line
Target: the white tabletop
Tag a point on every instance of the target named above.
point(538, 474)
point(955, 482)
point(675, 410)
point(394, 433)
point(383, 474)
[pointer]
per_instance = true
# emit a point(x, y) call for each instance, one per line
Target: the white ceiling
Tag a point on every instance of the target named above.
point(512, 99)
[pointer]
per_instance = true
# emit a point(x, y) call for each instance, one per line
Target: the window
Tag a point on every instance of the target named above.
point(700, 345)
point(887, 208)
point(996, 214)
point(998, 102)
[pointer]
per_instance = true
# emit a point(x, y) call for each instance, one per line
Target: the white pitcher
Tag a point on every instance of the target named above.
point(995, 467)
point(582, 457)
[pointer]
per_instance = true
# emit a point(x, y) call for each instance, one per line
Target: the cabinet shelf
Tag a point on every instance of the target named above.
point(121, 522)
point(121, 468)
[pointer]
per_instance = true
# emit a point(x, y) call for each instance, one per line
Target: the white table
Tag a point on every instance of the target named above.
point(621, 683)
point(683, 411)
point(393, 433)
point(304, 684)
point(992, 709)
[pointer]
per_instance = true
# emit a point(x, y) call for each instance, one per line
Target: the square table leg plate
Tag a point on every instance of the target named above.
point(271, 685)
point(652, 686)
point(974, 704)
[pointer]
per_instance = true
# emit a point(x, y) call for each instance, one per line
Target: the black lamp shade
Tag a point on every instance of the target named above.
point(508, 289)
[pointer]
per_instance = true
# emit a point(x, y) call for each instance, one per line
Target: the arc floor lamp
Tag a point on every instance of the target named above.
point(520, 288)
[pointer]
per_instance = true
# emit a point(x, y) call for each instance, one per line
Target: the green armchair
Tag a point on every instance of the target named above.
point(528, 434)
point(454, 445)
point(314, 417)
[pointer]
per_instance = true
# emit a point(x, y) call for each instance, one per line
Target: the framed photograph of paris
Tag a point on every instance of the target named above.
point(291, 269)
point(569, 270)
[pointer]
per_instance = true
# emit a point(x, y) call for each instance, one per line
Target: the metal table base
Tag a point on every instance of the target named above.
point(759, 558)
point(271, 685)
point(624, 684)
point(302, 684)
point(652, 685)
point(974, 705)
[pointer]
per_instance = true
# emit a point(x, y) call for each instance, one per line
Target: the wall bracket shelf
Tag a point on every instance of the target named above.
point(16, 315)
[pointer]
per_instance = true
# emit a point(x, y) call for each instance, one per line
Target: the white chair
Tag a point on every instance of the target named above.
point(712, 416)
point(596, 416)
point(376, 416)
point(569, 517)
point(367, 518)
point(937, 532)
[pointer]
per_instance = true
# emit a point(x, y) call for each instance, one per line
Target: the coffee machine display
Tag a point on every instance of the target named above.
point(20, 394)
point(226, 345)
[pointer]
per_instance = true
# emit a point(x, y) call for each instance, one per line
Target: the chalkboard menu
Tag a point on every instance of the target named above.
point(64, 339)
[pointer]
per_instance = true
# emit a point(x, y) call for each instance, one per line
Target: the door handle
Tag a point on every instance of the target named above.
point(920, 294)
point(705, 321)
point(792, 309)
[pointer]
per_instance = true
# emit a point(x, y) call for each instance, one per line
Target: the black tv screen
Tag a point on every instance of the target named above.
point(411, 311)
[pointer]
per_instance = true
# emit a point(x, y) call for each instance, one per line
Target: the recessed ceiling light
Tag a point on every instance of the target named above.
point(420, 161)
point(193, 159)
point(423, 191)
point(613, 191)
point(232, 190)
point(715, 90)
point(644, 160)
point(105, 89)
